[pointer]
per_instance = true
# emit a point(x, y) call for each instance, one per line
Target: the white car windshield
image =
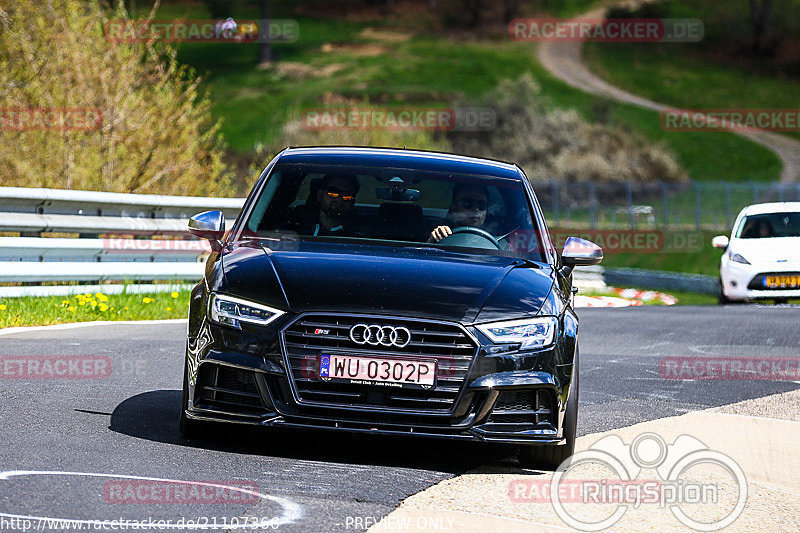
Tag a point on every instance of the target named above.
point(769, 225)
point(394, 206)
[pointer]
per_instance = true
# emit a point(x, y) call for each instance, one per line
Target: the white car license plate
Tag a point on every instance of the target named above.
point(377, 370)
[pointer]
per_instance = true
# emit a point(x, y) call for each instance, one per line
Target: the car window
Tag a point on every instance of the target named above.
point(394, 205)
point(769, 225)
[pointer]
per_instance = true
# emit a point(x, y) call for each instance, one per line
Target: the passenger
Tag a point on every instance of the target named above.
point(336, 198)
point(468, 208)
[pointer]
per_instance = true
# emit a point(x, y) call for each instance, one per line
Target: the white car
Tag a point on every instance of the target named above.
point(762, 256)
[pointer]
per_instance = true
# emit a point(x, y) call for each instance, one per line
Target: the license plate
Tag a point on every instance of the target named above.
point(782, 282)
point(377, 371)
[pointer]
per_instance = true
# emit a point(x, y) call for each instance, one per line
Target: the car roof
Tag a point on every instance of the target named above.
point(400, 158)
point(771, 207)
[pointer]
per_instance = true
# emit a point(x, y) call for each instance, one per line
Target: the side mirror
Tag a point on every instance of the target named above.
point(579, 252)
point(209, 225)
point(720, 241)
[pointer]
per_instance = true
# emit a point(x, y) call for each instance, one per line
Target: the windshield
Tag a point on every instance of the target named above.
point(393, 206)
point(769, 225)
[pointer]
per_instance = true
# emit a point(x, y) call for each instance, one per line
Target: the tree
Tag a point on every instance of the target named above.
point(763, 40)
point(156, 134)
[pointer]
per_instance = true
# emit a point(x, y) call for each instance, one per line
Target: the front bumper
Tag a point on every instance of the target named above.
point(481, 423)
point(743, 282)
point(504, 398)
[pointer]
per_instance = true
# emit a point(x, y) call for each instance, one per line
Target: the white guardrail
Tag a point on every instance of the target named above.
point(103, 222)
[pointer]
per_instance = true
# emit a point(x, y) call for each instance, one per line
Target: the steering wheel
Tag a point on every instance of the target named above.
point(475, 231)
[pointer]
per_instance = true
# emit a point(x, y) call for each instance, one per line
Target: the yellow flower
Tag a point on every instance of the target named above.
point(126, 308)
point(93, 304)
point(147, 300)
point(72, 309)
point(102, 297)
point(169, 309)
point(112, 307)
point(174, 294)
point(103, 307)
point(88, 294)
point(64, 302)
point(2, 307)
point(82, 302)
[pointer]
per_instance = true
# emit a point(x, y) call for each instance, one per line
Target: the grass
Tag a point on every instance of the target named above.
point(334, 60)
point(679, 76)
point(41, 311)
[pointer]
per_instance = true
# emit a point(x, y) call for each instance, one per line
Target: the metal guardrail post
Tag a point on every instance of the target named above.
point(629, 202)
point(698, 206)
point(727, 187)
point(554, 188)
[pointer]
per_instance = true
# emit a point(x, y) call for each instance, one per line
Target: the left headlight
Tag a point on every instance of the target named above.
point(231, 311)
point(530, 333)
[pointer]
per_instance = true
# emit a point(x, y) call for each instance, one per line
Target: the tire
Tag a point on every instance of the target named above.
point(723, 300)
point(549, 457)
point(189, 429)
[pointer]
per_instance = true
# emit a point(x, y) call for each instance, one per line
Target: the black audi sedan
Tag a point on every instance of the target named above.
point(388, 291)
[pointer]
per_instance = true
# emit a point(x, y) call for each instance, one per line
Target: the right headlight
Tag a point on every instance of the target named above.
point(530, 333)
point(231, 311)
point(737, 258)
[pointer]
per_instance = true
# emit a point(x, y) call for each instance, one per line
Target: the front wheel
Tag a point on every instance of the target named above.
point(189, 429)
point(723, 300)
point(550, 457)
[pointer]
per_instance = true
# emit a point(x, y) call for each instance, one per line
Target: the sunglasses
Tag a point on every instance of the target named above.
point(343, 196)
point(469, 203)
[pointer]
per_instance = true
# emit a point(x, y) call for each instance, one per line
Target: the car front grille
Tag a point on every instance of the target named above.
point(522, 410)
point(314, 334)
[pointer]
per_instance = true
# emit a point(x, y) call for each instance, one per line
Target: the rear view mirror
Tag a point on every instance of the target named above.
point(579, 252)
point(720, 241)
point(209, 225)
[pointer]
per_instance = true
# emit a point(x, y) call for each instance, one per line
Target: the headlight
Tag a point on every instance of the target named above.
point(736, 258)
point(231, 311)
point(530, 333)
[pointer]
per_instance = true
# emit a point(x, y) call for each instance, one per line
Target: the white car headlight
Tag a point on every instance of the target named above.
point(231, 311)
point(737, 258)
point(530, 333)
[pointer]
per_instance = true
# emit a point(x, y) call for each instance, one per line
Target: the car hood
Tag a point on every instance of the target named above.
point(777, 251)
point(400, 281)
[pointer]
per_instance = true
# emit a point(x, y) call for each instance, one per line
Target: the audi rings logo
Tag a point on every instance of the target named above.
point(376, 335)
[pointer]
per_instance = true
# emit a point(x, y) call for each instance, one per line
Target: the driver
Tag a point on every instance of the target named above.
point(468, 208)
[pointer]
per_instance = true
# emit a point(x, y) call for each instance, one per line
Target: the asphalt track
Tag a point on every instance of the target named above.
point(126, 423)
